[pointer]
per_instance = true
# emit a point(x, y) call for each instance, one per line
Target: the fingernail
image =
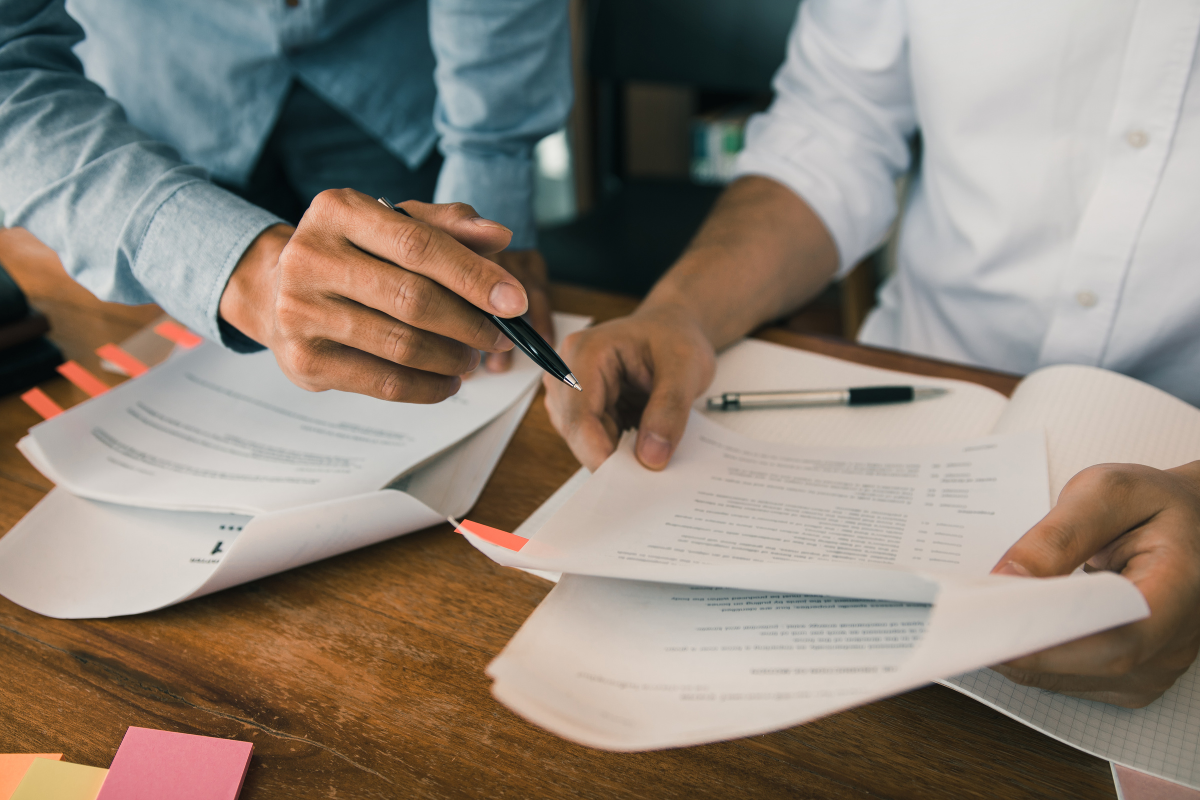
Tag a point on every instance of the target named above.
point(499, 362)
point(487, 223)
point(1012, 568)
point(508, 300)
point(474, 362)
point(654, 451)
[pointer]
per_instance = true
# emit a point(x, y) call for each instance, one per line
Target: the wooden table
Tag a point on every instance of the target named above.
point(362, 676)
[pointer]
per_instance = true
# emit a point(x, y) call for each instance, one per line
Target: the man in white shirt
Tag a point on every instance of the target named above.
point(1053, 219)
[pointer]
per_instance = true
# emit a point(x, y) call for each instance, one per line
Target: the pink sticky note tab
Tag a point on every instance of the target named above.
point(494, 535)
point(1140, 786)
point(151, 765)
point(132, 366)
point(13, 767)
point(177, 334)
point(42, 404)
point(58, 780)
point(89, 383)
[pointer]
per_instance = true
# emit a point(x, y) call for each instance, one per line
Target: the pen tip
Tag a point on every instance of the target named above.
point(571, 381)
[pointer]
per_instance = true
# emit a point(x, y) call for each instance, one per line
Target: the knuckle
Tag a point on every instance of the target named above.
point(1110, 480)
point(1058, 537)
point(462, 210)
point(412, 243)
point(393, 387)
point(303, 362)
point(329, 202)
point(1119, 665)
point(290, 313)
point(401, 343)
point(413, 298)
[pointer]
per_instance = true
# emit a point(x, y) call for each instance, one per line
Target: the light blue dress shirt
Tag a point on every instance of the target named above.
point(118, 184)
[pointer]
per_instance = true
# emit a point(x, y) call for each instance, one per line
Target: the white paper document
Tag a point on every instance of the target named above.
point(74, 558)
point(288, 477)
point(210, 430)
point(631, 665)
point(664, 661)
point(855, 522)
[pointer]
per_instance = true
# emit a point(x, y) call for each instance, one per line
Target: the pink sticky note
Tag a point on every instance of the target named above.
point(493, 535)
point(1136, 785)
point(152, 765)
point(13, 767)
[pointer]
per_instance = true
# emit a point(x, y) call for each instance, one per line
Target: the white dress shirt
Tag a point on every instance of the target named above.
point(1055, 216)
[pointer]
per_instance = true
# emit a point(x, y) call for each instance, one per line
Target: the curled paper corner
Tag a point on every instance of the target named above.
point(174, 332)
point(123, 361)
point(494, 536)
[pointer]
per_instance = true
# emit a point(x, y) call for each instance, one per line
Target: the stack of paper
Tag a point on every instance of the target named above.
point(635, 649)
point(213, 469)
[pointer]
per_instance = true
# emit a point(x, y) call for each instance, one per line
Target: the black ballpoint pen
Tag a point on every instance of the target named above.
point(808, 398)
point(522, 334)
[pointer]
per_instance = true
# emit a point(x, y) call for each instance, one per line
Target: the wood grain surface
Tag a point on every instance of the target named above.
point(363, 676)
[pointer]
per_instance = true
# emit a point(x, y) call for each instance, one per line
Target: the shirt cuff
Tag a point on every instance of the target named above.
point(499, 187)
point(191, 246)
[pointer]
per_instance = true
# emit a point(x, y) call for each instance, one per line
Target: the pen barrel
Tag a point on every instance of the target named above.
point(739, 400)
point(874, 395)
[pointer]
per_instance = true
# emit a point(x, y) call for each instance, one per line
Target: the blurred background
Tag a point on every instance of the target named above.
point(663, 89)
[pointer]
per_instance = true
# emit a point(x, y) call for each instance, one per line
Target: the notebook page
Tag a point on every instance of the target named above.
point(969, 411)
point(1093, 416)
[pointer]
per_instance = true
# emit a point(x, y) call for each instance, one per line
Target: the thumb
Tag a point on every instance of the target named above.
point(483, 236)
point(1095, 507)
point(665, 417)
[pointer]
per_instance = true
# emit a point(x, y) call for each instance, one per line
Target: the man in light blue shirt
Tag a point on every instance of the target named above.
point(277, 101)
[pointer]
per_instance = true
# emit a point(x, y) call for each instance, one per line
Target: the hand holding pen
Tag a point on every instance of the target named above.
point(522, 334)
point(361, 299)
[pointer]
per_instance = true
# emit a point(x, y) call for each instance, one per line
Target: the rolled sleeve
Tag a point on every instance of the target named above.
point(499, 187)
point(128, 218)
point(837, 132)
point(504, 82)
point(191, 245)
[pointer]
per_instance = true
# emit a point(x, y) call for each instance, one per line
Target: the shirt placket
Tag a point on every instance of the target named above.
point(1145, 116)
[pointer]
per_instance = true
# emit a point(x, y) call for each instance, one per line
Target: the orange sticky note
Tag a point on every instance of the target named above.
point(46, 779)
point(494, 535)
point(39, 402)
point(13, 767)
point(178, 334)
point(89, 383)
point(116, 355)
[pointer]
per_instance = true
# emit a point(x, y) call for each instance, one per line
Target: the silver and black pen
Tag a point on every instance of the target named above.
point(522, 335)
point(861, 396)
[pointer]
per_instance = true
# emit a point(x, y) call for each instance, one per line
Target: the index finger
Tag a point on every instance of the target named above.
point(1095, 507)
point(424, 249)
point(582, 418)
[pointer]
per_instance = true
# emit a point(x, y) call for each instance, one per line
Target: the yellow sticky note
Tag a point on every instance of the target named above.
point(13, 767)
point(59, 780)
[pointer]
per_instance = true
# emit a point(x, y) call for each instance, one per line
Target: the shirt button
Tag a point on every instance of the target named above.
point(291, 3)
point(1138, 139)
point(1087, 299)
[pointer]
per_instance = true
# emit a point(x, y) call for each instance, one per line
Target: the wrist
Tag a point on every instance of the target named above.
point(250, 291)
point(683, 308)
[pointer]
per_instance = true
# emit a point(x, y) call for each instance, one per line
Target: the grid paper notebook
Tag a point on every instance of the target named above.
point(1162, 739)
